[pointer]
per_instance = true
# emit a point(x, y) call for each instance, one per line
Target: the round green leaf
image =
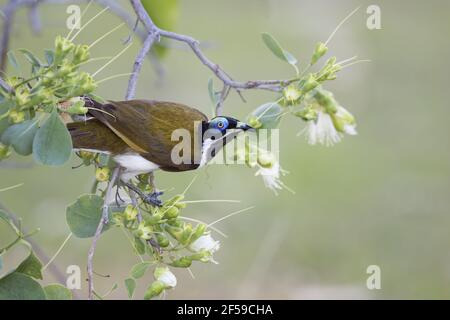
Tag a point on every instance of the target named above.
point(20, 136)
point(268, 114)
point(57, 292)
point(84, 215)
point(52, 144)
point(31, 266)
point(18, 286)
point(139, 269)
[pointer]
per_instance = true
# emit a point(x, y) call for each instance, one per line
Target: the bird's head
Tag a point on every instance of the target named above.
point(223, 124)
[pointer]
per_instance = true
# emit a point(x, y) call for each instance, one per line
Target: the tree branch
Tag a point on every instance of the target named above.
point(98, 232)
point(272, 85)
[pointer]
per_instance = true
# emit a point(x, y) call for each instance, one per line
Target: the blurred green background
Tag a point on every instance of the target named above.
point(380, 198)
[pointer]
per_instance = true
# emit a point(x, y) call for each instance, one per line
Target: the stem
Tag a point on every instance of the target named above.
point(103, 221)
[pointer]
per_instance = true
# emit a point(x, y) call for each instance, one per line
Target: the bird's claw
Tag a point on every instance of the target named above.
point(153, 199)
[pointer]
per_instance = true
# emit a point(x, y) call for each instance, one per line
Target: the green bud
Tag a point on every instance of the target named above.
point(78, 108)
point(16, 116)
point(5, 152)
point(175, 232)
point(291, 94)
point(171, 212)
point(144, 231)
point(131, 212)
point(319, 52)
point(155, 289)
point(186, 234)
point(266, 160)
point(309, 113)
point(309, 84)
point(155, 218)
point(162, 240)
point(326, 100)
point(183, 262)
point(118, 219)
point(102, 174)
point(63, 47)
point(254, 122)
point(198, 232)
point(81, 54)
point(181, 205)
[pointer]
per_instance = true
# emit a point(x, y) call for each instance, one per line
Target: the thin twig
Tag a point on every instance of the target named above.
point(138, 65)
point(272, 85)
point(98, 232)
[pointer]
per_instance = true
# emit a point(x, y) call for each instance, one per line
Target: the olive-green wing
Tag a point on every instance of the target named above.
point(147, 126)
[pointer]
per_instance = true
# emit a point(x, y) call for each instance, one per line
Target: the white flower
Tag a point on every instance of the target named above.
point(271, 176)
point(205, 242)
point(322, 130)
point(164, 275)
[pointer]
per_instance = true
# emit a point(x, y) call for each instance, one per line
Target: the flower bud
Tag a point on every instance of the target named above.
point(254, 122)
point(155, 289)
point(81, 54)
point(186, 234)
point(266, 159)
point(144, 231)
point(131, 212)
point(344, 121)
point(5, 152)
point(155, 218)
point(118, 219)
point(63, 47)
point(171, 212)
point(320, 50)
point(78, 108)
point(162, 240)
point(326, 100)
point(16, 116)
point(198, 232)
point(102, 174)
point(291, 94)
point(183, 262)
point(309, 84)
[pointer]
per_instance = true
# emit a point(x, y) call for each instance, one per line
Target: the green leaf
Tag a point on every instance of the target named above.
point(49, 56)
point(31, 57)
point(18, 286)
point(31, 266)
point(20, 136)
point(130, 284)
point(12, 60)
point(57, 292)
point(139, 269)
point(84, 215)
point(212, 94)
point(52, 144)
point(269, 115)
point(1, 263)
point(277, 50)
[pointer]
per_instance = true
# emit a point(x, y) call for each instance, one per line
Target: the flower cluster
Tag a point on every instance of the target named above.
point(165, 237)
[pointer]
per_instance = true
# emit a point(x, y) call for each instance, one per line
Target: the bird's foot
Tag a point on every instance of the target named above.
point(153, 198)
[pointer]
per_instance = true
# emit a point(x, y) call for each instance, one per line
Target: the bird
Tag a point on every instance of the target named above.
point(139, 137)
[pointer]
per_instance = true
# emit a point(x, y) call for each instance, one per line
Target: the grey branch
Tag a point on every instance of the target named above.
point(138, 65)
point(272, 85)
point(98, 232)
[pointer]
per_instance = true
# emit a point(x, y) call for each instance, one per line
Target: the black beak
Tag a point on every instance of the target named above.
point(243, 126)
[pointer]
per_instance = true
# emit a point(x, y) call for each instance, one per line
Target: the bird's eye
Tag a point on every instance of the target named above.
point(220, 125)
